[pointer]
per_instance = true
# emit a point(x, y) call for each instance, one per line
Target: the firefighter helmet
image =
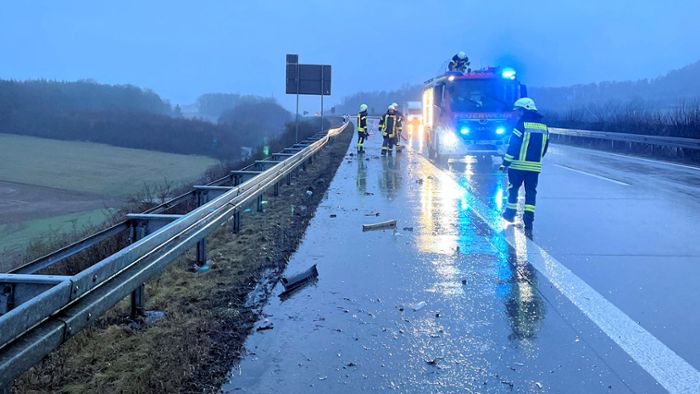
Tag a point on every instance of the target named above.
point(395, 105)
point(525, 103)
point(363, 107)
point(461, 55)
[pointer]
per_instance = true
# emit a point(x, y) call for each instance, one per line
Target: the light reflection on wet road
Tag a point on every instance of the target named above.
point(442, 304)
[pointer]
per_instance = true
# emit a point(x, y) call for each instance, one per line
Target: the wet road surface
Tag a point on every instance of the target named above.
point(449, 303)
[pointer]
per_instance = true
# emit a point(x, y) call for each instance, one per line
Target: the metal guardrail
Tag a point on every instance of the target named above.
point(674, 142)
point(43, 311)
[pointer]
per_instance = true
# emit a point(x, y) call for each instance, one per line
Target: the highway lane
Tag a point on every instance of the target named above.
point(491, 321)
point(625, 225)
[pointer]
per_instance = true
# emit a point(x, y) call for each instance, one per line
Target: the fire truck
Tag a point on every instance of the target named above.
point(470, 113)
point(413, 116)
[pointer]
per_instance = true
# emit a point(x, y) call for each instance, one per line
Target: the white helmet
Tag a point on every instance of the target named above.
point(461, 55)
point(525, 103)
point(363, 107)
point(391, 106)
point(395, 105)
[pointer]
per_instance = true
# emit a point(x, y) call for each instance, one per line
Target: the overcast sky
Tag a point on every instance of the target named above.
point(183, 49)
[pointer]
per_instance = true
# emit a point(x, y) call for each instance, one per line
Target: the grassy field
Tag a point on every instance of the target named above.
point(48, 187)
point(90, 167)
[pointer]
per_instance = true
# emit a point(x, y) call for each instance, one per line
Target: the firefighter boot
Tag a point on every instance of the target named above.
point(509, 215)
point(528, 218)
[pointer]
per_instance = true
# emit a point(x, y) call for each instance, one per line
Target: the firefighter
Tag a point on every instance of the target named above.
point(399, 127)
point(362, 132)
point(459, 62)
point(388, 125)
point(523, 160)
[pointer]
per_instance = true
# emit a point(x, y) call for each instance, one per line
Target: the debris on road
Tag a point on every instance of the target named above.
point(538, 385)
point(418, 306)
point(372, 214)
point(509, 384)
point(293, 281)
point(333, 215)
point(380, 225)
point(433, 361)
point(266, 325)
point(408, 229)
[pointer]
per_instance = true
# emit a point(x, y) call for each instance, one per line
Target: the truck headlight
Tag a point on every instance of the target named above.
point(449, 139)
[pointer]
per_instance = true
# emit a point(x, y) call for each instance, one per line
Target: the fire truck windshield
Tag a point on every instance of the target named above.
point(479, 95)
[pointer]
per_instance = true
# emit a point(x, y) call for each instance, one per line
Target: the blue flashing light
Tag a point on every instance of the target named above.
point(464, 130)
point(500, 130)
point(508, 73)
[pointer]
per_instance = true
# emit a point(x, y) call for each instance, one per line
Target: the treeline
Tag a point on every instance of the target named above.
point(214, 105)
point(663, 92)
point(81, 96)
point(378, 101)
point(635, 117)
point(127, 116)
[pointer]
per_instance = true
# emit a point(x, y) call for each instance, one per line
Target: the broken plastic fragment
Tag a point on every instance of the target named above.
point(293, 281)
point(380, 225)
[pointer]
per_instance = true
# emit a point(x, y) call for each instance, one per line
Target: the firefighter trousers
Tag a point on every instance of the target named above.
point(517, 178)
point(388, 144)
point(361, 137)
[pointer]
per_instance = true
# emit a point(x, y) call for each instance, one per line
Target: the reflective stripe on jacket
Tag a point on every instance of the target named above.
point(362, 122)
point(389, 124)
point(528, 144)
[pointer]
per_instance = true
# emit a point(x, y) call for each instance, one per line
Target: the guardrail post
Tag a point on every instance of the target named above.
point(289, 179)
point(201, 258)
point(138, 296)
point(259, 203)
point(236, 226)
point(276, 189)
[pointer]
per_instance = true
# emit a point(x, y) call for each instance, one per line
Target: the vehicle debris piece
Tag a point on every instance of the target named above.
point(333, 215)
point(291, 282)
point(372, 214)
point(380, 225)
point(408, 229)
point(418, 306)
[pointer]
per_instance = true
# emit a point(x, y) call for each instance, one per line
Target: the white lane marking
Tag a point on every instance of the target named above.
point(669, 369)
point(593, 175)
point(630, 157)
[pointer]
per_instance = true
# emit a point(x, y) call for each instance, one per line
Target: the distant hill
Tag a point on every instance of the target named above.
point(663, 92)
point(131, 117)
point(78, 96)
point(379, 101)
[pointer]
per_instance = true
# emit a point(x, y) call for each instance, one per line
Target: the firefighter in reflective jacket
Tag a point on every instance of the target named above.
point(459, 62)
point(523, 161)
point(388, 125)
point(399, 127)
point(362, 131)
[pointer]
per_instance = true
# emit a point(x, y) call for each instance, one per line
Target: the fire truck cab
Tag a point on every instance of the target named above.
point(470, 113)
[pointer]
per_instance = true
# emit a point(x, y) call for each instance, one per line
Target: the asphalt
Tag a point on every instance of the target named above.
point(453, 301)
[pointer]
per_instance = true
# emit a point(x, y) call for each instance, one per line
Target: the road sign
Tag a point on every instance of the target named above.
point(311, 79)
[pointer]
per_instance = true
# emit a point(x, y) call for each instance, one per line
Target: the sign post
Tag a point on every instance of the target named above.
point(308, 79)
